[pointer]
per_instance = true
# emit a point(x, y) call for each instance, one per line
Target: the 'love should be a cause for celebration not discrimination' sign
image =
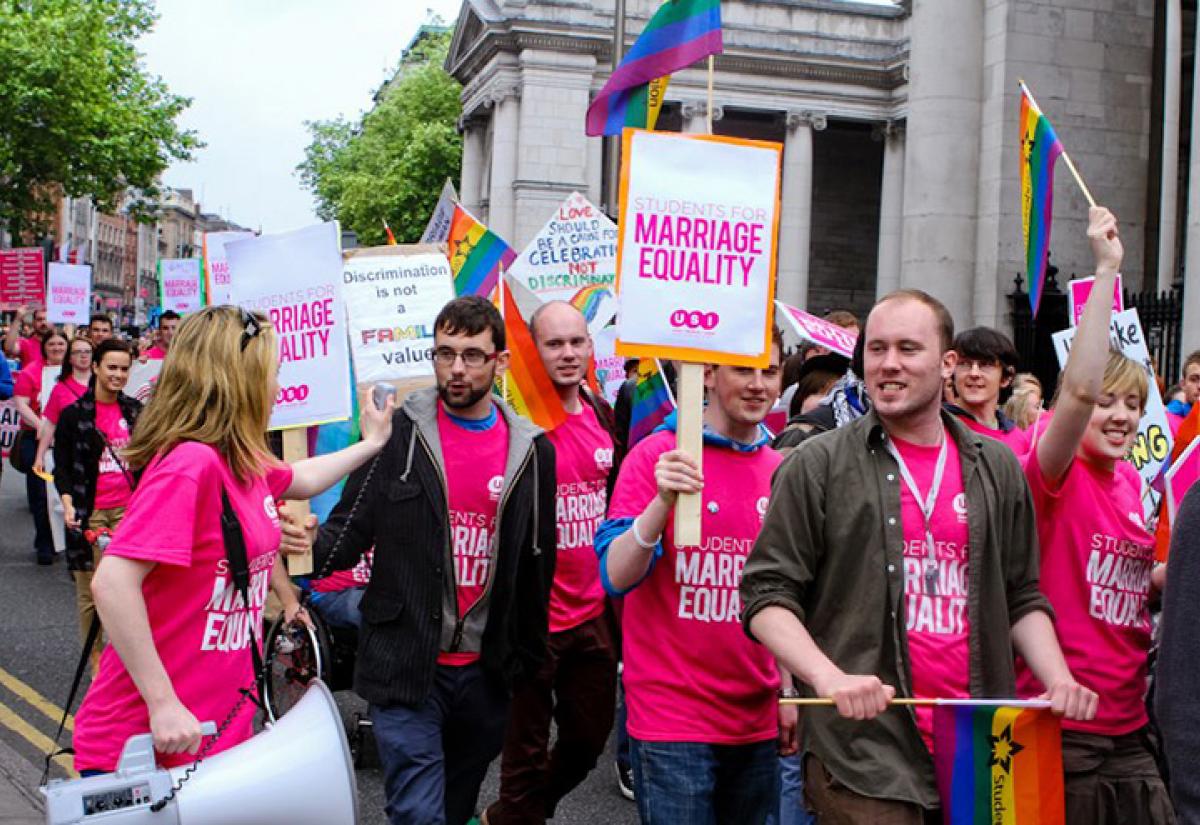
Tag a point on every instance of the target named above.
point(68, 293)
point(696, 273)
point(216, 266)
point(179, 284)
point(576, 249)
point(1152, 447)
point(393, 294)
point(295, 278)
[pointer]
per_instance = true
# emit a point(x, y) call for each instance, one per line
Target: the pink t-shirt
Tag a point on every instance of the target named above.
point(691, 673)
point(31, 351)
point(63, 395)
point(936, 619)
point(155, 353)
point(112, 482)
point(583, 459)
point(28, 384)
point(1096, 561)
point(1016, 438)
point(357, 576)
point(474, 461)
point(199, 623)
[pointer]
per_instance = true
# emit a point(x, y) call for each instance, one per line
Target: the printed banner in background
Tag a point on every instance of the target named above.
point(1152, 447)
point(216, 267)
point(10, 423)
point(393, 294)
point(696, 258)
point(69, 294)
point(1182, 474)
point(22, 277)
point(819, 331)
point(610, 367)
point(1078, 292)
point(576, 249)
point(296, 279)
point(179, 284)
point(142, 378)
point(438, 228)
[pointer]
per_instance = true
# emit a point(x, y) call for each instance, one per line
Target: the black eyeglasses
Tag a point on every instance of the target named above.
point(473, 358)
point(250, 327)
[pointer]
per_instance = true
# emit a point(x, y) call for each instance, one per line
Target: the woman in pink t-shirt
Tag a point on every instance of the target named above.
point(69, 387)
point(27, 393)
point(1097, 557)
point(178, 629)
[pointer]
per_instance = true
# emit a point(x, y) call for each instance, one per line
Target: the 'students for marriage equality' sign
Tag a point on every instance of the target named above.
point(393, 294)
point(295, 278)
point(179, 284)
point(696, 254)
point(68, 294)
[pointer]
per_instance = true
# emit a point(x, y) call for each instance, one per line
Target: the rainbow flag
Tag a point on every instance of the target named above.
point(680, 33)
point(998, 764)
point(527, 387)
point(652, 401)
point(1040, 148)
point(476, 255)
point(391, 239)
point(588, 300)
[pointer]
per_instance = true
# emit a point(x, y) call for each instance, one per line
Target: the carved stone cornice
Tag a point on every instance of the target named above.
point(888, 130)
point(806, 117)
point(699, 108)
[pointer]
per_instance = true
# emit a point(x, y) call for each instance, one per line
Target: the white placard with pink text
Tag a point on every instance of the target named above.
point(819, 331)
point(699, 220)
point(295, 278)
point(1181, 477)
point(216, 267)
point(1078, 292)
point(180, 285)
point(68, 294)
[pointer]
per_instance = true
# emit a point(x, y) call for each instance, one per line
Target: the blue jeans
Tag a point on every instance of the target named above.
point(702, 784)
point(792, 810)
point(340, 608)
point(436, 754)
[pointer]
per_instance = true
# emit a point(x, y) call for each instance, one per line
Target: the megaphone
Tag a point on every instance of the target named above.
point(297, 771)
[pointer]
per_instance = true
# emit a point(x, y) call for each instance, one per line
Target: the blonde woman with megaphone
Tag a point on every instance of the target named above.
point(180, 633)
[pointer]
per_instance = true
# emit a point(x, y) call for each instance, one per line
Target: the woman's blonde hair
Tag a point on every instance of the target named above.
point(215, 388)
point(1020, 407)
point(1123, 375)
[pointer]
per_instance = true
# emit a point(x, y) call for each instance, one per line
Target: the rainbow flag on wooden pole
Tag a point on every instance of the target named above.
point(998, 763)
point(1040, 148)
point(476, 255)
point(679, 34)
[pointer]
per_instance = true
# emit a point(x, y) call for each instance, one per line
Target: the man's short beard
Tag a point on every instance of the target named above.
point(472, 398)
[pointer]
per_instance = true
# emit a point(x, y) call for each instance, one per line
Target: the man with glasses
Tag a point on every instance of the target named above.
point(987, 364)
point(460, 508)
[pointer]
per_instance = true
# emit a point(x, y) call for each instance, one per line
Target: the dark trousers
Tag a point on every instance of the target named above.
point(35, 493)
point(832, 803)
point(436, 755)
point(576, 687)
point(701, 784)
point(1113, 780)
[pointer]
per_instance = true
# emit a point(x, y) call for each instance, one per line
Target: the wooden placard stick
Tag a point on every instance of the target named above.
point(295, 448)
point(689, 437)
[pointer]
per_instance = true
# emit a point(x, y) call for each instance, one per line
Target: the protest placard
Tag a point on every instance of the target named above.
point(142, 377)
point(610, 367)
point(1078, 291)
point(438, 228)
point(22, 277)
point(10, 423)
point(576, 249)
point(1152, 447)
point(69, 293)
point(216, 267)
point(819, 331)
point(393, 294)
point(295, 278)
point(696, 255)
point(1182, 474)
point(179, 284)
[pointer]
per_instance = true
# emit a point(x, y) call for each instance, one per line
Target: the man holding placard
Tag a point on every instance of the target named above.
point(878, 536)
point(576, 685)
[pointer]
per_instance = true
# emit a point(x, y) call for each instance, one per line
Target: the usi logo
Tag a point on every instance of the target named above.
point(291, 395)
point(694, 319)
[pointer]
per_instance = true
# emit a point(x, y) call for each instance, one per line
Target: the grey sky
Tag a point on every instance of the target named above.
point(256, 70)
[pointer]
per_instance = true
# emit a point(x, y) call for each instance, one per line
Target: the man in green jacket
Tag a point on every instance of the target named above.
point(899, 557)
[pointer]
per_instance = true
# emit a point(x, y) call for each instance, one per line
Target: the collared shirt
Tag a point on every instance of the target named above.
point(832, 551)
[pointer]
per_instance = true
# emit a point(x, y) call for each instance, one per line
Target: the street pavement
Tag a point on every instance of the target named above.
point(39, 647)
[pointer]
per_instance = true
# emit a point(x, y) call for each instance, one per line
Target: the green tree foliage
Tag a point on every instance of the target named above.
point(78, 113)
point(390, 165)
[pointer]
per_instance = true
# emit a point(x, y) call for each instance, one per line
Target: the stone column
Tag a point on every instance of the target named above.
point(941, 163)
point(595, 171)
point(1169, 196)
point(1191, 267)
point(795, 216)
point(507, 105)
point(891, 208)
point(470, 189)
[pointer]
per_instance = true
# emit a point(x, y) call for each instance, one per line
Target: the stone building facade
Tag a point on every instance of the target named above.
point(899, 126)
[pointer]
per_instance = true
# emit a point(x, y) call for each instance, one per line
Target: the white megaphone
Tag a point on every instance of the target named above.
point(298, 772)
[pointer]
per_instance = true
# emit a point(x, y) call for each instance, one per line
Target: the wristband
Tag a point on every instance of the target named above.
point(637, 536)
